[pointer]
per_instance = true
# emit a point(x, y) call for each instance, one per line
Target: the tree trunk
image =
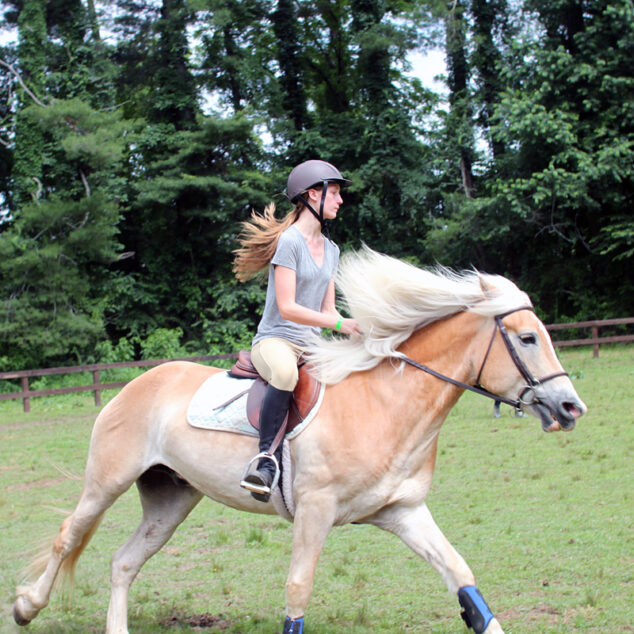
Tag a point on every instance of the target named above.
point(487, 14)
point(32, 41)
point(289, 47)
point(459, 99)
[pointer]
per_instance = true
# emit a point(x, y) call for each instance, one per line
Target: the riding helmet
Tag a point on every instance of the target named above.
point(311, 174)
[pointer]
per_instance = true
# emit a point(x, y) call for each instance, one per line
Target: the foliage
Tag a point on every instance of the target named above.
point(191, 197)
point(127, 163)
point(54, 256)
point(162, 344)
point(108, 352)
point(49, 310)
point(562, 183)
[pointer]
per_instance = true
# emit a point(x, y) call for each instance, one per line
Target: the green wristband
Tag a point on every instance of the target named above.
point(338, 324)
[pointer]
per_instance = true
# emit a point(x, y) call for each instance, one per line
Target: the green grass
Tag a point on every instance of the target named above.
point(544, 521)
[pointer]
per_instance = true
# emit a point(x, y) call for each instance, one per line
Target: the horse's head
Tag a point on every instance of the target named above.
point(395, 303)
point(521, 364)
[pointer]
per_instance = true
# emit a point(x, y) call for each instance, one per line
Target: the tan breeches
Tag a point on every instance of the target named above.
point(276, 361)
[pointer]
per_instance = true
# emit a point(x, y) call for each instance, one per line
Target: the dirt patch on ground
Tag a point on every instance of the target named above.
point(540, 612)
point(36, 484)
point(197, 621)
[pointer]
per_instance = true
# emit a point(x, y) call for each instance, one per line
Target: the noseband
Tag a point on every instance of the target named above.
point(527, 395)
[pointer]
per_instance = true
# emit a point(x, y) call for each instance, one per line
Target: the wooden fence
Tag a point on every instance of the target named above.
point(97, 387)
point(595, 341)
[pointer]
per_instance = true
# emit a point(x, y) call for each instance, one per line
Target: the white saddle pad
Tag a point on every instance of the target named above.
point(215, 406)
point(220, 403)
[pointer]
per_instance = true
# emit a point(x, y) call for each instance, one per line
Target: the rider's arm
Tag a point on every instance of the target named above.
point(328, 317)
point(328, 305)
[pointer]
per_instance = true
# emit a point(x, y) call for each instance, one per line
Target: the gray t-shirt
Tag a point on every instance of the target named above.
point(311, 285)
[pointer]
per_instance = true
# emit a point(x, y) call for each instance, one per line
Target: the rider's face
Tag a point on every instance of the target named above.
point(332, 202)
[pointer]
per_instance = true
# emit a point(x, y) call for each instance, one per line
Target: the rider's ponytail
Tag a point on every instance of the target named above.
point(258, 241)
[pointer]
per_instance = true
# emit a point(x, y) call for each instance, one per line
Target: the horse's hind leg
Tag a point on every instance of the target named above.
point(416, 527)
point(109, 473)
point(166, 503)
point(74, 535)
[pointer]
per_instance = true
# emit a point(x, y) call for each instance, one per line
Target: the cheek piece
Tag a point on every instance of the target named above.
point(476, 613)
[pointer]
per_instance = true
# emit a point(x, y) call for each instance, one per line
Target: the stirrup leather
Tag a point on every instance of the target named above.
point(257, 488)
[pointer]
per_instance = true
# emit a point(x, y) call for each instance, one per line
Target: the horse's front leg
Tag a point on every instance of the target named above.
point(416, 527)
point(313, 520)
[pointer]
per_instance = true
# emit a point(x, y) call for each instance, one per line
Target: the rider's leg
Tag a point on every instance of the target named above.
point(276, 361)
point(275, 407)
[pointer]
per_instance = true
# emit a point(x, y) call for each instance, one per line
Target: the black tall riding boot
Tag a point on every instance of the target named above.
point(275, 406)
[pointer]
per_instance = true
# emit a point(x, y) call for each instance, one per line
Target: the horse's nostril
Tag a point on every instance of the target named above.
point(572, 409)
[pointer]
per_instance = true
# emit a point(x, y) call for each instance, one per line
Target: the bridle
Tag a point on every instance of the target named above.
point(527, 395)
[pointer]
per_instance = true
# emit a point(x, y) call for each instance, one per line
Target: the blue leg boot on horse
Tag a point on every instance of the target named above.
point(274, 410)
point(293, 626)
point(475, 611)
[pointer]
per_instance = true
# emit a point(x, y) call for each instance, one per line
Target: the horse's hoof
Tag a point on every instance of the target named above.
point(17, 614)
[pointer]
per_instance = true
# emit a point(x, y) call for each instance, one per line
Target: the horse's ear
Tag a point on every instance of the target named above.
point(487, 288)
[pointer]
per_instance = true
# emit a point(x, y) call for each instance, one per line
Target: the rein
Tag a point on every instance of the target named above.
point(531, 381)
point(466, 386)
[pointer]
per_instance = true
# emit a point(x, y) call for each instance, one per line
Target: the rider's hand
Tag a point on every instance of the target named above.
point(350, 327)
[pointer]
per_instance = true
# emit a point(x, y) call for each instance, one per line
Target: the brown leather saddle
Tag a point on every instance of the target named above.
point(304, 397)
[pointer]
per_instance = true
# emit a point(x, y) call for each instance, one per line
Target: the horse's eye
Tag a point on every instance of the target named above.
point(528, 339)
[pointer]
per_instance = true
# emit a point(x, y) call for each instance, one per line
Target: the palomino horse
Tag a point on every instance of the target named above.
point(367, 457)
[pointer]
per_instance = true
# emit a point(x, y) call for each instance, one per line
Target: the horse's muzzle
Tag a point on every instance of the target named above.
point(559, 414)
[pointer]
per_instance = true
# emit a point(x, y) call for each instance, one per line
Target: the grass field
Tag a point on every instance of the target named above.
point(544, 520)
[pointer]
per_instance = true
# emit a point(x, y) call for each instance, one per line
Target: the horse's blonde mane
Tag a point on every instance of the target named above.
point(391, 299)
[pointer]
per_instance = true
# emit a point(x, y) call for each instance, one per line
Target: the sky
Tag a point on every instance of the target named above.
point(427, 66)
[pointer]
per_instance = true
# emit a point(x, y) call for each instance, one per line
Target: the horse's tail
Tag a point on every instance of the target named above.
point(66, 574)
point(67, 569)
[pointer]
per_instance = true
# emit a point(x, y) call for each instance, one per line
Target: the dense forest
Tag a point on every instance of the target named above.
point(136, 136)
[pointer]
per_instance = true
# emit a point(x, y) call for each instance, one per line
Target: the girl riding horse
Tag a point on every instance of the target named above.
point(300, 297)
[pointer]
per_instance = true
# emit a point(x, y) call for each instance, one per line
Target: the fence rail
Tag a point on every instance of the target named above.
point(97, 387)
point(595, 341)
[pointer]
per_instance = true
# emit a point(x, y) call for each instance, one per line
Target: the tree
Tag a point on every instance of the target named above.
point(173, 96)
point(550, 209)
point(180, 224)
point(126, 167)
point(63, 190)
point(190, 177)
point(460, 119)
point(363, 107)
point(289, 56)
point(52, 259)
point(490, 32)
point(32, 53)
point(134, 27)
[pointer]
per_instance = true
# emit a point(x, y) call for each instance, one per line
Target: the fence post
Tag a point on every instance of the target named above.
point(595, 335)
point(26, 401)
point(95, 380)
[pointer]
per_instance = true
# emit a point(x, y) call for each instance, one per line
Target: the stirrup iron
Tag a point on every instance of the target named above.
point(256, 488)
